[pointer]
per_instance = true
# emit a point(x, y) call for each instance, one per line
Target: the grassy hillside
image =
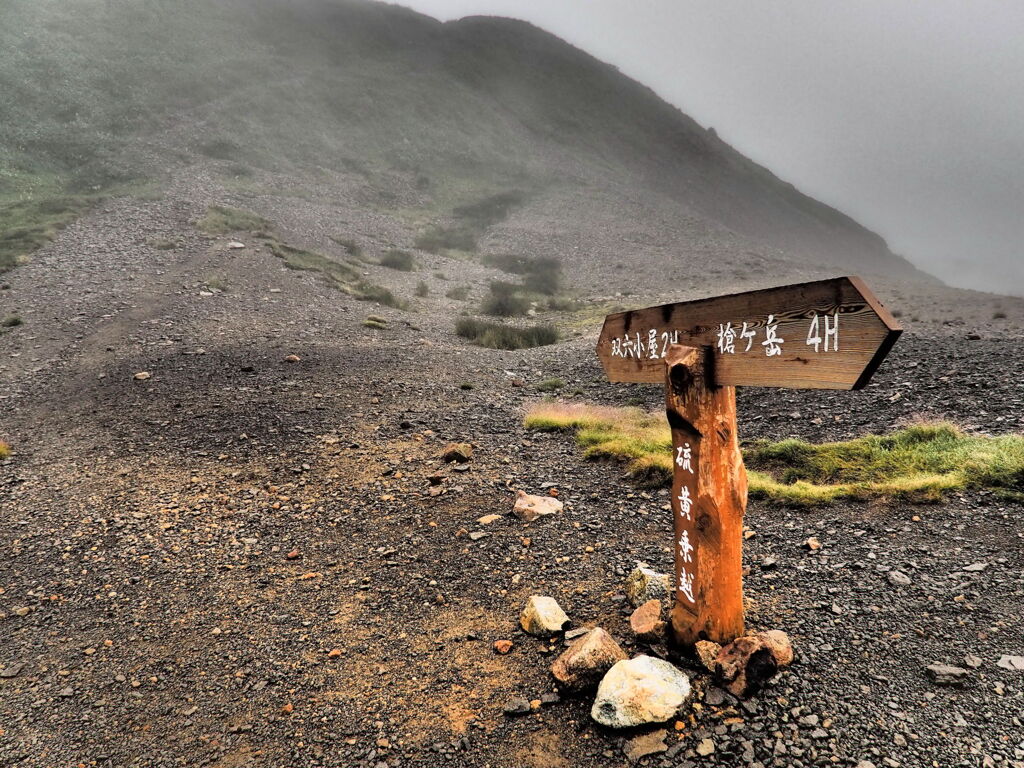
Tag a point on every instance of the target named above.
point(101, 93)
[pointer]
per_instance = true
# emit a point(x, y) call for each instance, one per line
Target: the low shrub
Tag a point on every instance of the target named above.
point(422, 289)
point(489, 210)
point(500, 336)
point(505, 301)
point(364, 291)
point(11, 321)
point(440, 238)
point(541, 274)
point(550, 385)
point(396, 259)
point(458, 293)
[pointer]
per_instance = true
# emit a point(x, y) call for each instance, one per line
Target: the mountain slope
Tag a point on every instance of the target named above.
point(100, 92)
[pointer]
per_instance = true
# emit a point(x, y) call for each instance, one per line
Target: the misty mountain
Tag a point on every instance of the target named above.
point(99, 94)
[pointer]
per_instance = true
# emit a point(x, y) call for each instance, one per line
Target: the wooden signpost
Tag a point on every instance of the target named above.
point(828, 334)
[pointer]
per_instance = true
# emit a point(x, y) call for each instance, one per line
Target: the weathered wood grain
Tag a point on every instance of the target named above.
point(866, 333)
point(709, 515)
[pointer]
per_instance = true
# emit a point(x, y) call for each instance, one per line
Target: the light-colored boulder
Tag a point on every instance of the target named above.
point(638, 691)
point(529, 508)
point(644, 584)
point(543, 616)
point(584, 663)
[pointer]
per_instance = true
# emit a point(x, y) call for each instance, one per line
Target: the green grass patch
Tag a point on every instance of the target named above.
point(222, 219)
point(500, 336)
point(340, 276)
point(641, 439)
point(11, 321)
point(28, 225)
point(400, 260)
point(919, 463)
point(550, 385)
point(375, 321)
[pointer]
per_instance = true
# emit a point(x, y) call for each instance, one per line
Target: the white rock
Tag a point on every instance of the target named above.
point(528, 508)
point(638, 691)
point(543, 616)
point(235, 245)
point(898, 578)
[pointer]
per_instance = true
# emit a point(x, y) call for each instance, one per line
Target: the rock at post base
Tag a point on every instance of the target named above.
point(645, 584)
point(584, 663)
point(528, 508)
point(646, 622)
point(707, 652)
point(543, 616)
point(748, 662)
point(638, 691)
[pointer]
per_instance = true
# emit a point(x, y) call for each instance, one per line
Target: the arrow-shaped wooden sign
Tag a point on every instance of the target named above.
point(828, 334)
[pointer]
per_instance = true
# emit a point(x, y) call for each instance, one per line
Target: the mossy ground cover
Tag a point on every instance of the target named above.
point(222, 219)
point(340, 276)
point(920, 462)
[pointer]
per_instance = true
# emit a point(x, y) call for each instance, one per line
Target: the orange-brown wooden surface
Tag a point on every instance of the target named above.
point(703, 421)
point(632, 345)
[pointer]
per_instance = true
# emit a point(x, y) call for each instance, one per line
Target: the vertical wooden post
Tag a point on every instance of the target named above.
point(709, 496)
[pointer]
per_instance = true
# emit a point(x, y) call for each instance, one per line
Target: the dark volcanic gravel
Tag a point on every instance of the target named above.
point(238, 561)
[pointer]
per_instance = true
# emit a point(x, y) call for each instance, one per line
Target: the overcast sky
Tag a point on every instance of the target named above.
point(906, 114)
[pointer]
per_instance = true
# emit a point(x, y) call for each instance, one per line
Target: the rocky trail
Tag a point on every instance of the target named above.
point(256, 556)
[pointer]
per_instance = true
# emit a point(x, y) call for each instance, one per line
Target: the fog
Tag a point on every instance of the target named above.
point(909, 116)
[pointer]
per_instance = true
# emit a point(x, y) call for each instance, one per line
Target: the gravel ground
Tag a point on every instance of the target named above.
point(238, 562)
